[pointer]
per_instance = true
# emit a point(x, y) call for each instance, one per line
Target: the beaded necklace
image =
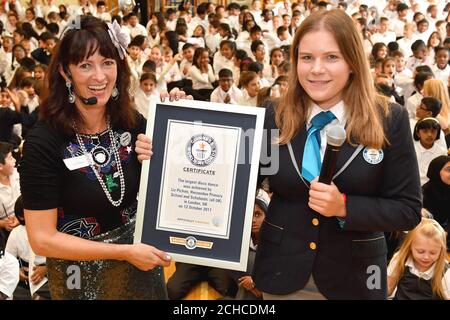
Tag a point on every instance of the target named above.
point(92, 154)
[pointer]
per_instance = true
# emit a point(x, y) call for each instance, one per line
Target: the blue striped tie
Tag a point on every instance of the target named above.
point(312, 163)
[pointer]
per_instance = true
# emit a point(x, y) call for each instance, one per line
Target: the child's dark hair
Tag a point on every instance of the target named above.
point(18, 210)
point(417, 45)
point(280, 79)
point(255, 44)
point(225, 73)
point(426, 123)
point(187, 46)
point(229, 43)
point(27, 82)
point(134, 43)
point(255, 67)
point(433, 104)
point(392, 46)
point(149, 65)
point(255, 29)
point(53, 28)
point(148, 76)
point(424, 68)
point(441, 48)
point(28, 63)
point(240, 54)
point(139, 40)
point(420, 79)
point(5, 148)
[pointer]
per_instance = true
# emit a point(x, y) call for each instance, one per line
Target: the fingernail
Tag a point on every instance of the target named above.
point(168, 257)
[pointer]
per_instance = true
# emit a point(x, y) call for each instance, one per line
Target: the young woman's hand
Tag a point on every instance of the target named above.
point(326, 199)
point(145, 257)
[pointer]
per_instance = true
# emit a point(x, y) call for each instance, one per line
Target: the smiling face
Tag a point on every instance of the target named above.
point(425, 252)
point(94, 76)
point(226, 51)
point(322, 70)
point(442, 59)
point(253, 87)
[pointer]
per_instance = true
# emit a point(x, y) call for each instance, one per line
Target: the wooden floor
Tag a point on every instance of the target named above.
point(200, 292)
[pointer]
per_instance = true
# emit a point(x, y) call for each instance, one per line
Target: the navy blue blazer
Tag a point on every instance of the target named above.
point(348, 262)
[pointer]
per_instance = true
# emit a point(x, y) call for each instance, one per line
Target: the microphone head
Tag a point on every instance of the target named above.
point(90, 101)
point(336, 135)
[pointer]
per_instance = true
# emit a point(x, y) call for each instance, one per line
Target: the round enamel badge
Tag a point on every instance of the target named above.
point(373, 156)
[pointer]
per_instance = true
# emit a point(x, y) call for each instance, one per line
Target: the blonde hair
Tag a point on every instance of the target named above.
point(435, 88)
point(365, 106)
point(430, 229)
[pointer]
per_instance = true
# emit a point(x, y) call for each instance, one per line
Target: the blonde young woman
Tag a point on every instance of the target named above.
point(322, 241)
point(436, 89)
point(420, 270)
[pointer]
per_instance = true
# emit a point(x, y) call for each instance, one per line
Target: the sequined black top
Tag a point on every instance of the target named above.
point(49, 181)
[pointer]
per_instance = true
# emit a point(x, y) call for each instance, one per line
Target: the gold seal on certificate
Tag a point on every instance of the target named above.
point(197, 192)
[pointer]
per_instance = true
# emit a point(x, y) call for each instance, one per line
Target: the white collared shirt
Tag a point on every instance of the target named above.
point(9, 195)
point(339, 112)
point(9, 274)
point(441, 74)
point(424, 157)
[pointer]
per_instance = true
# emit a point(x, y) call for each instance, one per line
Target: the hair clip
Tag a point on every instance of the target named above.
point(118, 38)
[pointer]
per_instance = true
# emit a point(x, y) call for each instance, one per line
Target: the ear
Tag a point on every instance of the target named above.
point(62, 72)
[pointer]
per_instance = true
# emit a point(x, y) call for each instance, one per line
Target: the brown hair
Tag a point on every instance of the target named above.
point(364, 107)
point(75, 46)
point(246, 77)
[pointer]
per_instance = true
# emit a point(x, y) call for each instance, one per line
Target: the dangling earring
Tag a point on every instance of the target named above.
point(115, 93)
point(71, 95)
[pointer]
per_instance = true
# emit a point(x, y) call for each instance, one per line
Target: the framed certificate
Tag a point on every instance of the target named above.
point(197, 192)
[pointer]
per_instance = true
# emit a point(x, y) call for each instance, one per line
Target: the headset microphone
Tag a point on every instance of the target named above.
point(87, 101)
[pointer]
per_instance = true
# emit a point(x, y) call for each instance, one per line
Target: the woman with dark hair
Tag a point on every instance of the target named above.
point(80, 172)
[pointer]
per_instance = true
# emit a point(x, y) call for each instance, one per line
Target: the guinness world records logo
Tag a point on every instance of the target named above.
point(201, 150)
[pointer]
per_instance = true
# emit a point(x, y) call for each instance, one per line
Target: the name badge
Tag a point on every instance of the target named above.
point(373, 156)
point(75, 163)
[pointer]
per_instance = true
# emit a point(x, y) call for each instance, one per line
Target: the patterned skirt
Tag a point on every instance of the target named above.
point(105, 279)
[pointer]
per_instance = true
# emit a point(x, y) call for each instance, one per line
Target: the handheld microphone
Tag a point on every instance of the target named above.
point(335, 139)
point(87, 101)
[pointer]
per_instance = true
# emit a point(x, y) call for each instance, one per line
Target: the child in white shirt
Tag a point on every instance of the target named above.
point(426, 132)
point(226, 92)
point(147, 89)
